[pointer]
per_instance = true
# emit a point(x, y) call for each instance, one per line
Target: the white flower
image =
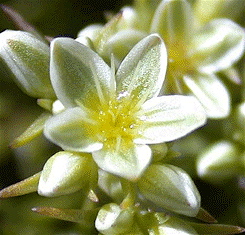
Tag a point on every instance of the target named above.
point(115, 116)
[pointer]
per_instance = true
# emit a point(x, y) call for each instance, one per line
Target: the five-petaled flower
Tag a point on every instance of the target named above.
point(114, 115)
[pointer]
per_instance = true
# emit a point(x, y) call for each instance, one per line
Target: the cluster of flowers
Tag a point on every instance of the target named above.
point(107, 106)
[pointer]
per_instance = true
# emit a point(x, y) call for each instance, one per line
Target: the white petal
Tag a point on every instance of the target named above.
point(173, 20)
point(211, 92)
point(78, 73)
point(167, 118)
point(73, 130)
point(125, 160)
point(142, 72)
point(218, 45)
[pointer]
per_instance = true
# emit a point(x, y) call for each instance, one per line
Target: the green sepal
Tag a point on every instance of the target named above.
point(216, 229)
point(34, 130)
point(23, 187)
point(205, 216)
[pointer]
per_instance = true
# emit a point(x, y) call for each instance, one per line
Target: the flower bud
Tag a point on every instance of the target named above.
point(66, 172)
point(112, 219)
point(171, 188)
point(111, 185)
point(28, 59)
point(173, 226)
point(219, 162)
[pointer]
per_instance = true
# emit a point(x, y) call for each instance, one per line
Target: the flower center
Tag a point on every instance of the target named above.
point(180, 62)
point(117, 119)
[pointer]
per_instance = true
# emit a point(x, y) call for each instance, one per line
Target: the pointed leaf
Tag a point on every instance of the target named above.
point(73, 130)
point(34, 130)
point(167, 118)
point(205, 216)
point(25, 186)
point(28, 59)
point(65, 173)
point(72, 215)
point(78, 73)
point(216, 229)
point(19, 21)
point(141, 74)
point(124, 159)
point(211, 92)
point(173, 20)
point(218, 45)
point(174, 226)
point(171, 188)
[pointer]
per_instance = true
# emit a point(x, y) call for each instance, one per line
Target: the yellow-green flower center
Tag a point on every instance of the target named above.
point(117, 120)
point(180, 62)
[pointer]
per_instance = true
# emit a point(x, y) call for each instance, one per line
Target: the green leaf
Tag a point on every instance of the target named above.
point(167, 118)
point(78, 73)
point(65, 173)
point(211, 93)
point(25, 186)
point(34, 130)
point(73, 130)
point(218, 45)
point(123, 158)
point(28, 59)
point(141, 74)
point(173, 20)
point(171, 188)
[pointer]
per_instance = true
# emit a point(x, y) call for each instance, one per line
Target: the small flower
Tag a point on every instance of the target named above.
point(231, 9)
point(114, 117)
point(195, 52)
